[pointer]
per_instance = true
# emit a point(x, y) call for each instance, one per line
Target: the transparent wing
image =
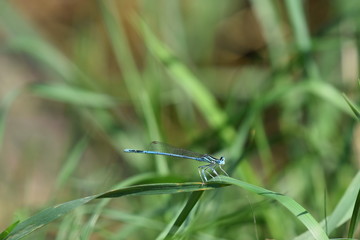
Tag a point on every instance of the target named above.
point(166, 148)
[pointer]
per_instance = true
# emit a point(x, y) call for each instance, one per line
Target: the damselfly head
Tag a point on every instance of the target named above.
point(222, 160)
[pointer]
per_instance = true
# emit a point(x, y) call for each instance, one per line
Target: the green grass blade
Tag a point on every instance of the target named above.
point(270, 21)
point(193, 199)
point(100, 208)
point(352, 106)
point(296, 209)
point(355, 217)
point(121, 47)
point(297, 18)
point(72, 162)
point(164, 188)
point(343, 209)
point(44, 217)
point(73, 95)
point(201, 97)
point(8, 230)
point(328, 93)
point(132, 77)
point(50, 214)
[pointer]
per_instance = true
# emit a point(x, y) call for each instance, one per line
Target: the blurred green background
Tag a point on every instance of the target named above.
point(259, 82)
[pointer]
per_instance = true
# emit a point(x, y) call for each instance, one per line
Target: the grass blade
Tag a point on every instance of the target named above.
point(342, 211)
point(193, 199)
point(353, 107)
point(297, 18)
point(73, 95)
point(8, 230)
point(133, 78)
point(72, 162)
point(50, 214)
point(44, 217)
point(201, 97)
point(296, 209)
point(355, 217)
point(164, 188)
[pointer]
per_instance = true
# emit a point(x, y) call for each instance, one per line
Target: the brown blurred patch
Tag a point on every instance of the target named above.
point(63, 21)
point(317, 14)
point(33, 132)
point(238, 39)
point(58, 19)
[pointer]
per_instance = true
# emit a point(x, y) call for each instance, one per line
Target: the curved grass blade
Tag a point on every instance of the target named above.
point(296, 209)
point(163, 188)
point(88, 229)
point(44, 217)
point(355, 217)
point(50, 214)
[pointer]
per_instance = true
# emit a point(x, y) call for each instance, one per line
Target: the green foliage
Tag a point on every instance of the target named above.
point(281, 121)
point(48, 215)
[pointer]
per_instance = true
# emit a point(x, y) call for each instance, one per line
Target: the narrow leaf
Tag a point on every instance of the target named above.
point(193, 199)
point(50, 214)
point(296, 209)
point(353, 107)
point(354, 217)
point(7, 231)
point(72, 95)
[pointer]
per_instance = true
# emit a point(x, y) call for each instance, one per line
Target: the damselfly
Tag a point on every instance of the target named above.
point(159, 148)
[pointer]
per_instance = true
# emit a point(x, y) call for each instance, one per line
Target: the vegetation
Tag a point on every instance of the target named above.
point(261, 83)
